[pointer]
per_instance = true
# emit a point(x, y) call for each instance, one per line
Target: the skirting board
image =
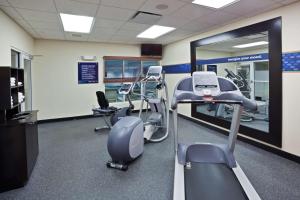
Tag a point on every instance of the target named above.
point(276, 151)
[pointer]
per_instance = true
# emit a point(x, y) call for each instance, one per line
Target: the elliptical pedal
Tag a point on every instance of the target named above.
point(118, 166)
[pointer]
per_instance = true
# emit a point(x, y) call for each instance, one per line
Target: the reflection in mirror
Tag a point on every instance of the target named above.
point(245, 61)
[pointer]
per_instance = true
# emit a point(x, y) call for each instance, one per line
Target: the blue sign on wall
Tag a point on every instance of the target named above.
point(263, 56)
point(87, 72)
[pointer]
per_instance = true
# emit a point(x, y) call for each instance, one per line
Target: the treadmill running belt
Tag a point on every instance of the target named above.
point(206, 181)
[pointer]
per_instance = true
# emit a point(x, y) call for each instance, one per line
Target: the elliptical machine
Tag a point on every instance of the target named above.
point(157, 123)
point(125, 90)
point(126, 138)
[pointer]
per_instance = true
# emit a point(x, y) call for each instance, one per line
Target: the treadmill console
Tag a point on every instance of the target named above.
point(154, 72)
point(125, 88)
point(206, 84)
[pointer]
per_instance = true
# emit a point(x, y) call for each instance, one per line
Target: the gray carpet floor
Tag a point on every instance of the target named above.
point(71, 165)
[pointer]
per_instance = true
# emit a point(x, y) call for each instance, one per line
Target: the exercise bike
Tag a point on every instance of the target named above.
point(114, 113)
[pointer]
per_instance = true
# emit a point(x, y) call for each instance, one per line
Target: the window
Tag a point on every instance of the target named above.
point(132, 68)
point(111, 92)
point(120, 70)
point(113, 68)
point(146, 64)
point(151, 91)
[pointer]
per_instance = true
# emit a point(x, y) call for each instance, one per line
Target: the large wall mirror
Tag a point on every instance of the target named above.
point(251, 58)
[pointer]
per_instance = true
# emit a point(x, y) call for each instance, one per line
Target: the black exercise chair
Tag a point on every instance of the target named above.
point(104, 110)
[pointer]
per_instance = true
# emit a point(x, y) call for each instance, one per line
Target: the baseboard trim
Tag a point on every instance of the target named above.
point(73, 118)
point(44, 121)
point(273, 150)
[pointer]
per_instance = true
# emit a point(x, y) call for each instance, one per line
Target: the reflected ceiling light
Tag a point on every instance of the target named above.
point(251, 44)
point(77, 23)
point(214, 3)
point(155, 31)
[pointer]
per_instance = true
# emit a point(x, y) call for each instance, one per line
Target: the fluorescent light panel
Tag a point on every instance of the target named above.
point(155, 31)
point(251, 44)
point(77, 23)
point(214, 3)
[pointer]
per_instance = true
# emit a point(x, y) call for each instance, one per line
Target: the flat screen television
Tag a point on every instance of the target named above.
point(151, 50)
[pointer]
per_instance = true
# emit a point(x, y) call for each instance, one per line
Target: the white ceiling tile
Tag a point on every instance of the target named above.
point(99, 37)
point(130, 4)
point(115, 13)
point(108, 23)
point(286, 2)
point(128, 33)
point(180, 33)
point(197, 25)
point(50, 34)
point(263, 9)
point(23, 23)
point(51, 25)
point(41, 5)
point(172, 21)
point(166, 40)
point(76, 8)
point(4, 3)
point(245, 7)
point(173, 5)
point(135, 26)
point(219, 17)
point(122, 37)
point(89, 1)
point(191, 11)
point(38, 15)
point(104, 31)
point(41, 19)
point(10, 11)
point(33, 33)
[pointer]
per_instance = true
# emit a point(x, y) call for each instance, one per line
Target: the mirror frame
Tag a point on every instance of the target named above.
point(273, 26)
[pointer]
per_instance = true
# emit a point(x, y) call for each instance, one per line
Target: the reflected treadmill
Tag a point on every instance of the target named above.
point(207, 170)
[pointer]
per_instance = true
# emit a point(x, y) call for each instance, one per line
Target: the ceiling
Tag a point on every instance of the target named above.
point(113, 22)
point(227, 46)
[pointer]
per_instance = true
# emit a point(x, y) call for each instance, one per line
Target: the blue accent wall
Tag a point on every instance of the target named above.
point(290, 62)
point(177, 69)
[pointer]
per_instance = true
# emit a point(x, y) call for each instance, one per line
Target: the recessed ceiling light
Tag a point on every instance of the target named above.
point(77, 23)
point(214, 3)
point(251, 44)
point(155, 31)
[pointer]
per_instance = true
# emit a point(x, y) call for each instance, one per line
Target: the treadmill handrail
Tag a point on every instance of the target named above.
point(189, 95)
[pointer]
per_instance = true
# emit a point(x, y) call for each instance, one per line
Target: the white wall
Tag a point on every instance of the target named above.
point(179, 52)
point(56, 92)
point(12, 36)
point(208, 54)
point(251, 52)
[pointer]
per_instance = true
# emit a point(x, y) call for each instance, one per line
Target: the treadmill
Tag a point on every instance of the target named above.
point(209, 171)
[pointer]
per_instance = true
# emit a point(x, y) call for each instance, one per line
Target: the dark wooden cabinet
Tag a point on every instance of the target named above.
point(19, 149)
point(19, 145)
